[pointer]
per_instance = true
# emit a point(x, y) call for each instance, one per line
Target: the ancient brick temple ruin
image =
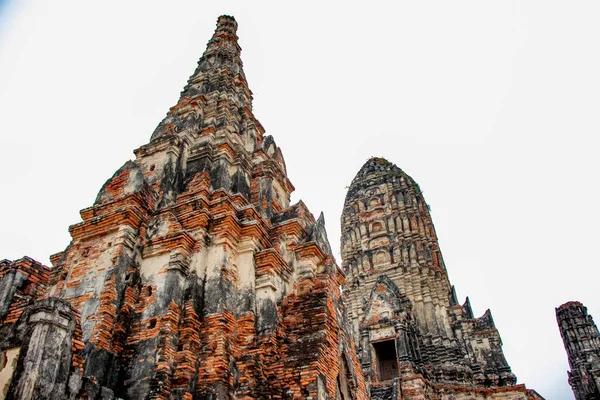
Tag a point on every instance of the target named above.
point(582, 343)
point(193, 277)
point(413, 336)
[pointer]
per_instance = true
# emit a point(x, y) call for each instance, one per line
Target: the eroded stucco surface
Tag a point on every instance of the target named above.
point(193, 277)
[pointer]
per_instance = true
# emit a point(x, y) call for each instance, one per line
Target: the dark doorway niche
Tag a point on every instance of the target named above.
point(386, 361)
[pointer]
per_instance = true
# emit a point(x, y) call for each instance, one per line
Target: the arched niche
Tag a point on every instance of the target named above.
point(376, 227)
point(385, 301)
point(381, 257)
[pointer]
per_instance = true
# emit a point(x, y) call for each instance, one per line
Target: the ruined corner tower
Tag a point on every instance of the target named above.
point(414, 338)
point(191, 276)
point(582, 343)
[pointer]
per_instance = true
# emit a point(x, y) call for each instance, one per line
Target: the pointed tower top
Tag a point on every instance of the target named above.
point(378, 170)
point(224, 43)
point(225, 19)
point(226, 23)
point(222, 52)
point(219, 71)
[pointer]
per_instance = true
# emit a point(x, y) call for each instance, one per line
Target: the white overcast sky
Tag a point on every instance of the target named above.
point(492, 106)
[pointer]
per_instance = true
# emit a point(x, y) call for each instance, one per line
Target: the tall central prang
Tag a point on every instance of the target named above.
point(191, 276)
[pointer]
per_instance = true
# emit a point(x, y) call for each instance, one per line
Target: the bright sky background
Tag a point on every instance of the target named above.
point(492, 106)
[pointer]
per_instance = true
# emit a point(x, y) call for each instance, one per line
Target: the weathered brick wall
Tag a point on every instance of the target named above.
point(22, 282)
point(192, 276)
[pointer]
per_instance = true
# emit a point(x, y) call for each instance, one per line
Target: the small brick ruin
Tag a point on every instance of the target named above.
point(193, 277)
point(582, 343)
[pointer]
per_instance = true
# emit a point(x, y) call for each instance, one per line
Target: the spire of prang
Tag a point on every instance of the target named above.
point(221, 57)
point(217, 92)
point(213, 130)
point(223, 47)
